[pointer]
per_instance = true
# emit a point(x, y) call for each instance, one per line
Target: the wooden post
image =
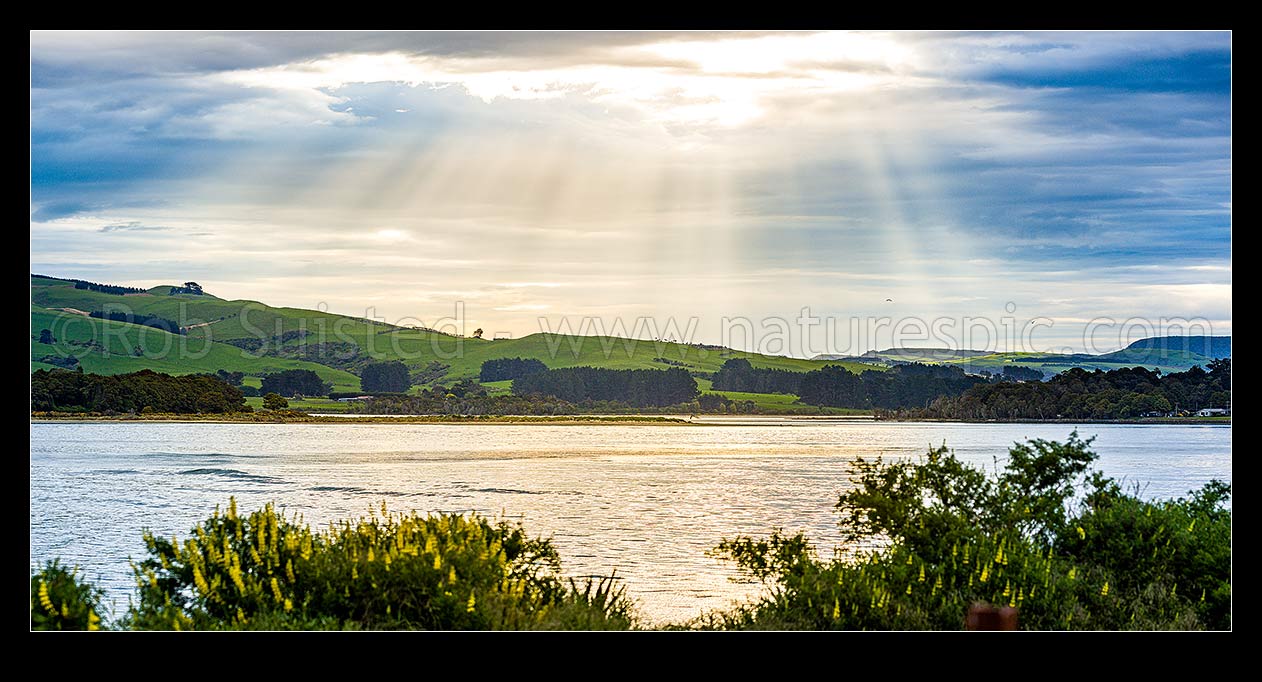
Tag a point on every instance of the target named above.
point(983, 616)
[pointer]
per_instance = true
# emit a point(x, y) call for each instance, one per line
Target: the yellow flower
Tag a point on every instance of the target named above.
point(43, 597)
point(470, 605)
point(1104, 591)
point(200, 581)
point(1082, 534)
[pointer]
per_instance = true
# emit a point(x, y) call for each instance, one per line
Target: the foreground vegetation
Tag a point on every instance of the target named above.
point(1069, 549)
point(389, 571)
point(923, 540)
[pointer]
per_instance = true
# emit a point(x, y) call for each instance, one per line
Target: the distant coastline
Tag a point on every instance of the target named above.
point(561, 420)
point(301, 418)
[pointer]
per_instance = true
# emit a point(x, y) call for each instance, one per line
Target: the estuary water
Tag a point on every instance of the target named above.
point(645, 500)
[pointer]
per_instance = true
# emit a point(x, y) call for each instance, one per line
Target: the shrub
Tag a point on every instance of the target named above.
point(273, 401)
point(61, 601)
point(927, 539)
point(382, 572)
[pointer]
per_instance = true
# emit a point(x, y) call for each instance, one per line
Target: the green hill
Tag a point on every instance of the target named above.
point(105, 347)
point(1212, 347)
point(1168, 354)
point(255, 338)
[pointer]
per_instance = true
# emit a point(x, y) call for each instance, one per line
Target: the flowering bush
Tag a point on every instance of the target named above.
point(60, 601)
point(387, 571)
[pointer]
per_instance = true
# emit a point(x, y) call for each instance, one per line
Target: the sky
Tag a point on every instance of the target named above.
point(794, 193)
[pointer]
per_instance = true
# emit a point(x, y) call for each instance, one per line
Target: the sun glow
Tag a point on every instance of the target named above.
point(716, 82)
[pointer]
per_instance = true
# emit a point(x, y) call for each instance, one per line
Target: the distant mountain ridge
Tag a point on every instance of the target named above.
point(1166, 353)
point(1215, 347)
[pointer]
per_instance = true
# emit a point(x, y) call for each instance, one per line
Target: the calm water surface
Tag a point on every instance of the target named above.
point(645, 500)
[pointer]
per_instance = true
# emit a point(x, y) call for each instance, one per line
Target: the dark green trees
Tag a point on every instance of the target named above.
point(635, 387)
point(503, 369)
point(127, 393)
point(294, 382)
point(385, 377)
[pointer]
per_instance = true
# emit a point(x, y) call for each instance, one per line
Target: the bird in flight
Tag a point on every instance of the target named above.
point(889, 300)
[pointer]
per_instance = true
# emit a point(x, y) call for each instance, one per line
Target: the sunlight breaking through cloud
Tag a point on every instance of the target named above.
point(675, 174)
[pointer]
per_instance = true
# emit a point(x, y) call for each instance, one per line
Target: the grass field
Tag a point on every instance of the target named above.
point(780, 403)
point(211, 321)
point(160, 351)
point(305, 404)
point(229, 320)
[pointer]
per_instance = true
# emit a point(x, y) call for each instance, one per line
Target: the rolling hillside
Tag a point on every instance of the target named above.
point(255, 338)
point(105, 347)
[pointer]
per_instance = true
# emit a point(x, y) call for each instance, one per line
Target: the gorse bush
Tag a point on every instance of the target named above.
point(61, 601)
point(390, 571)
point(953, 536)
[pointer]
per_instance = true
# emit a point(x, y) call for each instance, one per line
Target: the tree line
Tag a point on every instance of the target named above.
point(635, 387)
point(385, 377)
point(902, 386)
point(737, 374)
point(143, 391)
point(106, 288)
point(145, 319)
point(1077, 393)
point(295, 382)
point(504, 369)
point(909, 385)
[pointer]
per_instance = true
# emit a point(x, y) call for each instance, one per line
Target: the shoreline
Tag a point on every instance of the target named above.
point(1184, 421)
point(563, 420)
point(566, 420)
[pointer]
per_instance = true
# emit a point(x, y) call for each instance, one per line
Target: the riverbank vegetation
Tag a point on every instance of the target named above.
point(1078, 394)
point(139, 392)
point(906, 385)
point(922, 541)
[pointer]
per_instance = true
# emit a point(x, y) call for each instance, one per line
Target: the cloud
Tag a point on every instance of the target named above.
point(132, 226)
point(682, 173)
point(57, 209)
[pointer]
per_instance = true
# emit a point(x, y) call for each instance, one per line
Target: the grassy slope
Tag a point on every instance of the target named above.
point(416, 348)
point(465, 356)
point(228, 319)
point(161, 352)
